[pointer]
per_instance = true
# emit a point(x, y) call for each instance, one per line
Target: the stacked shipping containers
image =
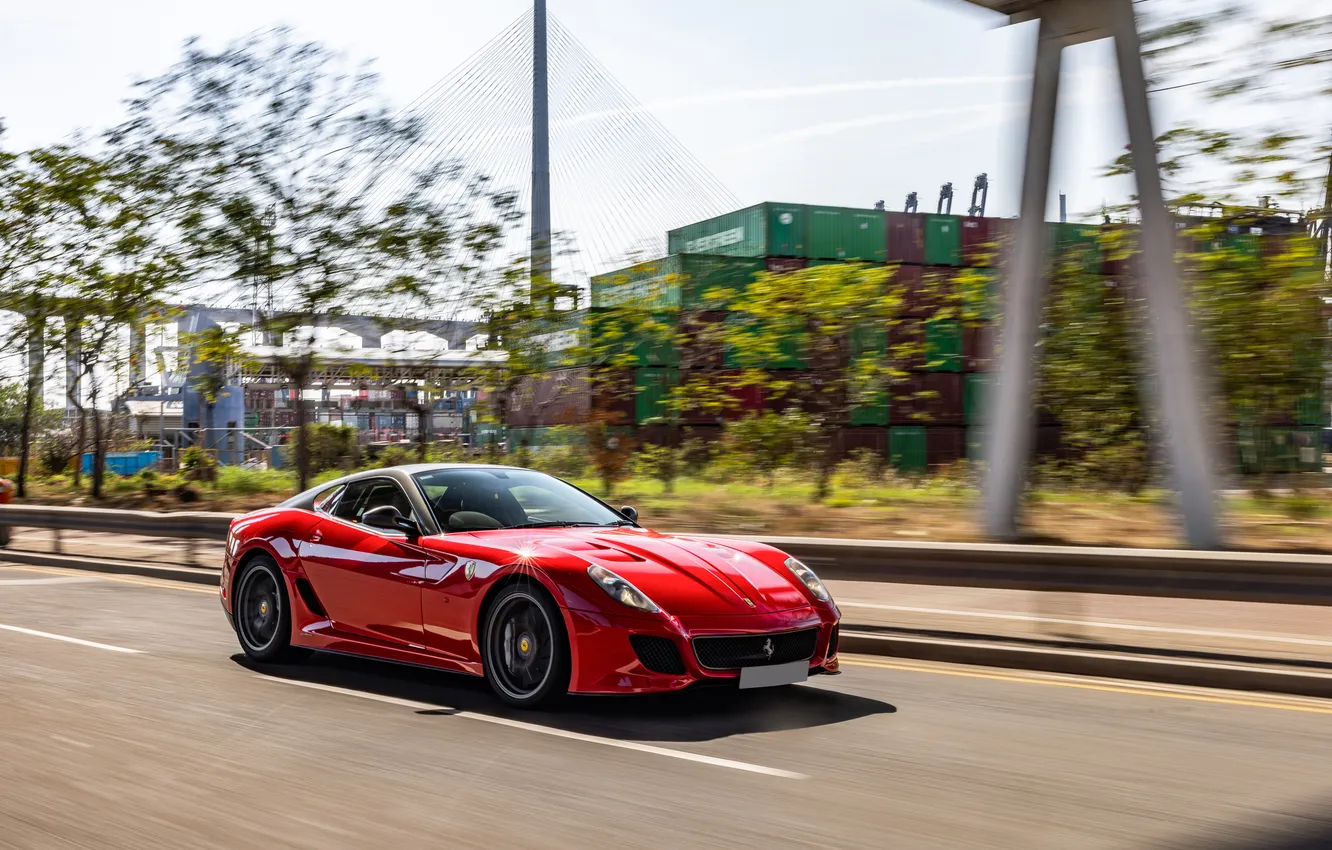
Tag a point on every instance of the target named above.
point(935, 415)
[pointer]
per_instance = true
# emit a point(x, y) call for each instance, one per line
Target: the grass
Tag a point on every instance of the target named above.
point(939, 508)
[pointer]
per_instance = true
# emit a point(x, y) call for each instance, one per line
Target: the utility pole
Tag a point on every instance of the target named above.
point(541, 249)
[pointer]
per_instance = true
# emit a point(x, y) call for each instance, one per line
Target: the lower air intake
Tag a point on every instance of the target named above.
point(658, 654)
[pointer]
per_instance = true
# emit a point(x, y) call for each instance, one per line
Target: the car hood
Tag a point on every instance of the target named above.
point(685, 576)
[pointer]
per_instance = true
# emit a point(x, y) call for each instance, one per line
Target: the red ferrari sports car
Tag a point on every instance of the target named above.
point(520, 577)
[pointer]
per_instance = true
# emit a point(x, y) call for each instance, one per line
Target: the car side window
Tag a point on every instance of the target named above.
point(325, 500)
point(362, 496)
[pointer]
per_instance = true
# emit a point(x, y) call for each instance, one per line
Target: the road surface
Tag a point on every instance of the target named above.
point(128, 720)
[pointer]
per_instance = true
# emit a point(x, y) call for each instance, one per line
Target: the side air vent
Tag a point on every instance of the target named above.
point(308, 597)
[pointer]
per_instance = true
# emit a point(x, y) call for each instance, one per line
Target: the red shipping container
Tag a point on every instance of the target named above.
point(928, 398)
point(979, 241)
point(745, 399)
point(786, 264)
point(855, 438)
point(906, 344)
point(613, 397)
point(978, 348)
point(929, 290)
point(945, 444)
point(906, 237)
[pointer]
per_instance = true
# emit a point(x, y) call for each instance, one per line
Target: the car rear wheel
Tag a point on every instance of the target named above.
point(262, 613)
point(525, 652)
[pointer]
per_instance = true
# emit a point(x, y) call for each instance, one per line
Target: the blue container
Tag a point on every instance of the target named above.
point(123, 463)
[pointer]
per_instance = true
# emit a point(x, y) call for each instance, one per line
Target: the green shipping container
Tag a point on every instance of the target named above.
point(974, 388)
point(1080, 243)
point(943, 346)
point(652, 388)
point(562, 339)
point(874, 412)
point(906, 448)
point(868, 340)
point(789, 355)
point(1310, 411)
point(976, 443)
point(842, 233)
point(980, 293)
point(943, 240)
point(767, 230)
point(680, 281)
point(613, 335)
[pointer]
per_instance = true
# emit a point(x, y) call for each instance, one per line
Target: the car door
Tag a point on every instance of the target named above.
point(368, 579)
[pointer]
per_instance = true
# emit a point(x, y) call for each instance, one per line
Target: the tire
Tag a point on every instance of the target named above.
point(524, 647)
point(262, 614)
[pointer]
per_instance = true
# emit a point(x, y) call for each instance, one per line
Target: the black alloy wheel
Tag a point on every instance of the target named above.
point(262, 613)
point(526, 653)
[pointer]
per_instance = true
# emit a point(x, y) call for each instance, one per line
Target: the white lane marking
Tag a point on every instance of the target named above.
point(20, 582)
point(991, 615)
point(33, 632)
point(547, 730)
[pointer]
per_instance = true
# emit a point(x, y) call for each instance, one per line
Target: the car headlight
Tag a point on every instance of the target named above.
point(809, 580)
point(622, 591)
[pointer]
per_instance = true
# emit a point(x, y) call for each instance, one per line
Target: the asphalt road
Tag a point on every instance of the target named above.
point(128, 720)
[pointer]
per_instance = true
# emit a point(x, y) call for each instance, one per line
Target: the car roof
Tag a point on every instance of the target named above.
point(401, 473)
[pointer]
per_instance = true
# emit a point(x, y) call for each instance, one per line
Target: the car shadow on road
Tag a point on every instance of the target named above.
point(695, 715)
point(1307, 828)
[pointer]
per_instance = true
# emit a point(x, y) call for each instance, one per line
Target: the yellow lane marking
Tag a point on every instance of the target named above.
point(142, 580)
point(1088, 686)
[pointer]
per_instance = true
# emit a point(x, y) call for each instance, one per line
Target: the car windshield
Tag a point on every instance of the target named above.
point(480, 499)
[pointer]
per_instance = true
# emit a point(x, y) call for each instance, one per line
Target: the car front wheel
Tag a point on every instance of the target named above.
point(262, 613)
point(525, 652)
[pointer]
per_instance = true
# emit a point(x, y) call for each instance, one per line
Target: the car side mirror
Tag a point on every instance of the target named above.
point(630, 513)
point(388, 518)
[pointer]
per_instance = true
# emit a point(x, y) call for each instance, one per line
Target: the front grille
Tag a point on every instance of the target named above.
point(732, 651)
point(658, 654)
point(832, 640)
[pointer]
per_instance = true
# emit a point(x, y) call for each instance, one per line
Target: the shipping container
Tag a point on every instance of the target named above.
point(978, 347)
point(679, 281)
point(1119, 244)
point(943, 240)
point(547, 437)
point(981, 299)
point(788, 353)
point(974, 389)
point(746, 399)
point(907, 449)
point(943, 346)
point(871, 412)
point(983, 241)
point(781, 265)
point(976, 436)
point(562, 397)
point(905, 237)
point(945, 445)
point(1310, 411)
point(928, 398)
point(841, 233)
point(871, 439)
point(623, 339)
point(1076, 245)
point(652, 390)
point(868, 341)
point(765, 230)
point(928, 291)
point(701, 339)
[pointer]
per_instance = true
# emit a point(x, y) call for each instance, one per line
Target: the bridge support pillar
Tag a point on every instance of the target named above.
point(1177, 374)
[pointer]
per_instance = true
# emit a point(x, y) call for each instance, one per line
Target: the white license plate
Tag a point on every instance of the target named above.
point(773, 675)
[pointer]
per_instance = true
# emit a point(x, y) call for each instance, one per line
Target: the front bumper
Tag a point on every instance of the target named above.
point(605, 662)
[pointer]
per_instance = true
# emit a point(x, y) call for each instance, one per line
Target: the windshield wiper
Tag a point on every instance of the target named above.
point(557, 524)
point(617, 523)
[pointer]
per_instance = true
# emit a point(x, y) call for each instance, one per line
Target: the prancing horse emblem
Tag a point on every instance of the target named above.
point(767, 648)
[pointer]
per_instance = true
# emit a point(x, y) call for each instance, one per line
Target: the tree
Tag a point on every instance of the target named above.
point(830, 322)
point(300, 182)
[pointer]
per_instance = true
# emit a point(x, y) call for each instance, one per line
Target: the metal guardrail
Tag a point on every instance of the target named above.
point(1182, 574)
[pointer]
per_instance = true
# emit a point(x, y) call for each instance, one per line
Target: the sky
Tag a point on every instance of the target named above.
point(845, 103)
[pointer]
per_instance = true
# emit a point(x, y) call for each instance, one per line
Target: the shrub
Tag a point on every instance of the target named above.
point(250, 482)
point(57, 452)
point(198, 464)
point(333, 447)
point(186, 493)
point(394, 456)
point(1301, 506)
point(660, 462)
point(562, 461)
